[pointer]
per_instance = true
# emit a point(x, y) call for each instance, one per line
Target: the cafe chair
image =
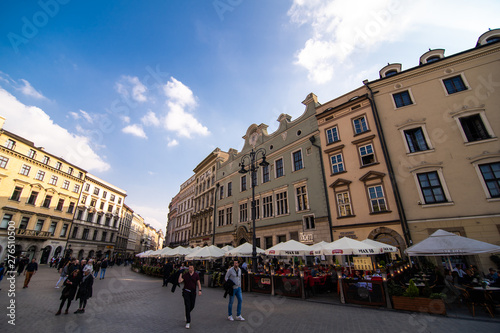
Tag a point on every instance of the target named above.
point(478, 298)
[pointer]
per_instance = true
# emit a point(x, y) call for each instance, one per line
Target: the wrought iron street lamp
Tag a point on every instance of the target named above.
point(251, 160)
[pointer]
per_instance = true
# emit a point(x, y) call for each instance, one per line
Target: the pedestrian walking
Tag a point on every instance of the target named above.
point(191, 279)
point(69, 291)
point(234, 274)
point(64, 275)
point(31, 269)
point(97, 267)
point(85, 290)
point(104, 265)
point(21, 265)
point(167, 270)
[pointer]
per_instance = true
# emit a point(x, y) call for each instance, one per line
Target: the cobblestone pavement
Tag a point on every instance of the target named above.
point(126, 301)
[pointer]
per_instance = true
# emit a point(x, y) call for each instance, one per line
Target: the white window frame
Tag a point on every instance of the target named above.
point(343, 205)
point(354, 125)
point(246, 183)
point(361, 156)
point(299, 196)
point(305, 222)
point(484, 119)
point(464, 79)
point(377, 199)
point(446, 191)
point(399, 92)
point(279, 202)
point(330, 129)
point(40, 174)
point(430, 147)
point(331, 164)
point(53, 180)
point(293, 160)
point(276, 168)
point(476, 165)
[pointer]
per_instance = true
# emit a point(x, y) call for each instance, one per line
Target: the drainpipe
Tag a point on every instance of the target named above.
point(313, 140)
point(395, 189)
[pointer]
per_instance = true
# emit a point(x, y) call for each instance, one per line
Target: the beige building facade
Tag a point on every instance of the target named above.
point(441, 122)
point(38, 196)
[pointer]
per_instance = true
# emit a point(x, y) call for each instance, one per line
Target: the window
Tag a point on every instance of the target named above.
point(102, 205)
point(39, 175)
point(60, 205)
point(79, 215)
point(337, 163)
point(267, 206)
point(344, 204)
point(221, 192)
point(46, 202)
point(87, 187)
point(80, 174)
point(332, 135)
point(16, 195)
point(24, 222)
point(110, 208)
point(10, 144)
point(415, 140)
point(360, 125)
point(95, 235)
point(391, 73)
point(90, 217)
point(71, 207)
point(309, 222)
point(93, 202)
point(491, 176)
point(85, 233)
point(297, 160)
point(257, 209)
point(76, 189)
point(3, 162)
point(265, 173)
point(281, 239)
point(32, 198)
point(119, 201)
point(5, 221)
point(75, 232)
point(269, 242)
point(229, 189)
point(25, 170)
point(52, 228)
point(377, 199)
point(221, 217)
point(367, 155)
point(243, 212)
point(402, 99)
point(96, 190)
point(301, 198)
point(229, 215)
point(31, 153)
point(53, 180)
point(431, 187)
point(112, 198)
point(64, 230)
point(243, 183)
point(39, 225)
point(107, 221)
point(58, 165)
point(99, 218)
point(70, 170)
point(279, 168)
point(45, 159)
point(104, 235)
point(104, 194)
point(281, 203)
point(474, 128)
point(111, 237)
point(83, 200)
point(454, 84)
point(65, 184)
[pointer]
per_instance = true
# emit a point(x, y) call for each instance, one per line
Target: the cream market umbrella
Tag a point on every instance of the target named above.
point(349, 246)
point(164, 251)
point(205, 253)
point(153, 254)
point(179, 251)
point(227, 248)
point(289, 248)
point(444, 243)
point(317, 249)
point(244, 250)
point(144, 254)
point(386, 247)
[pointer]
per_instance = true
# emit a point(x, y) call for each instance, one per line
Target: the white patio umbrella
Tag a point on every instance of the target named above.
point(444, 243)
point(289, 248)
point(386, 247)
point(153, 254)
point(144, 254)
point(348, 246)
point(207, 252)
point(244, 250)
point(164, 251)
point(227, 248)
point(317, 249)
point(179, 251)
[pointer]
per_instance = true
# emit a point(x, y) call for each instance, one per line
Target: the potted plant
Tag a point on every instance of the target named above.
point(410, 301)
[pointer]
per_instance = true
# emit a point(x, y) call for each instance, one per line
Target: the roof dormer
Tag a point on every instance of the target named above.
point(390, 70)
point(431, 56)
point(491, 36)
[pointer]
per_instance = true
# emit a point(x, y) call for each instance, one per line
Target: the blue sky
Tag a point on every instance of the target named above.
point(139, 92)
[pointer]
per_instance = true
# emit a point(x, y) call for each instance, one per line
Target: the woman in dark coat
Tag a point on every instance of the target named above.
point(85, 290)
point(69, 291)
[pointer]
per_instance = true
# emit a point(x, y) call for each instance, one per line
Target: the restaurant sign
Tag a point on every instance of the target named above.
point(337, 251)
point(362, 263)
point(291, 253)
point(33, 233)
point(306, 237)
point(265, 281)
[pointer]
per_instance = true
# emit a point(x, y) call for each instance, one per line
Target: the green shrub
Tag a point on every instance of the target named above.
point(412, 290)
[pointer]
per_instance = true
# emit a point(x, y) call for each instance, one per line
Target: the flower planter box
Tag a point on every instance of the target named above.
point(419, 304)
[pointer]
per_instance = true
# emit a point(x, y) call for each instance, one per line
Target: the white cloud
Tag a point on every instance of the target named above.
point(172, 143)
point(178, 119)
point(135, 130)
point(342, 27)
point(155, 216)
point(28, 90)
point(35, 125)
point(86, 116)
point(150, 119)
point(131, 87)
point(125, 119)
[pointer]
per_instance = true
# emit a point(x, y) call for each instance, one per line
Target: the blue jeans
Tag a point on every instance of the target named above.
point(237, 293)
point(103, 272)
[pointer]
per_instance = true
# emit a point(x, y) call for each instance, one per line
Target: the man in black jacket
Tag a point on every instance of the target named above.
point(167, 270)
point(30, 271)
